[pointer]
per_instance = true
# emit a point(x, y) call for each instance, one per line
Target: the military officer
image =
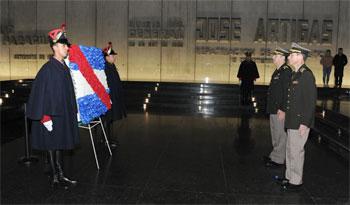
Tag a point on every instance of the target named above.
point(276, 107)
point(52, 107)
point(300, 116)
point(116, 93)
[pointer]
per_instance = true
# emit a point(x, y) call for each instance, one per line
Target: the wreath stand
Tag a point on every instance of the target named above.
point(89, 127)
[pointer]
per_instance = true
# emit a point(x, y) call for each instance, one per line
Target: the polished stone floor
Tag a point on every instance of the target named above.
point(339, 106)
point(177, 159)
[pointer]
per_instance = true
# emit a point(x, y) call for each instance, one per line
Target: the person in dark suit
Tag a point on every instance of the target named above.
point(116, 93)
point(339, 62)
point(53, 109)
point(247, 74)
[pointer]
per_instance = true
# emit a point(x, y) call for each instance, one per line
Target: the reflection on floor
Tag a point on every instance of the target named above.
point(336, 105)
point(193, 143)
point(177, 159)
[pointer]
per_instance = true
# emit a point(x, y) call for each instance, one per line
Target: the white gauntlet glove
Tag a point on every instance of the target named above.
point(48, 125)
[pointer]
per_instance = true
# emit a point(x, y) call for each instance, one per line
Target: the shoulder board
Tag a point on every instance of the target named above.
point(305, 68)
point(285, 67)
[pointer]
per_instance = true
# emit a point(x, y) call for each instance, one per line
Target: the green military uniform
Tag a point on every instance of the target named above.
point(300, 110)
point(301, 101)
point(277, 92)
point(276, 100)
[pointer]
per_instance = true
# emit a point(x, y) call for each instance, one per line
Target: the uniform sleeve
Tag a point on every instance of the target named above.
point(309, 96)
point(286, 78)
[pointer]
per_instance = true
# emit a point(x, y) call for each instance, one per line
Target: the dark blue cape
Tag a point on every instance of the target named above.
point(116, 93)
point(53, 94)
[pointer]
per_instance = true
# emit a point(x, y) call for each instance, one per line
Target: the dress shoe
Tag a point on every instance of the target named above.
point(66, 182)
point(58, 182)
point(266, 159)
point(281, 180)
point(55, 182)
point(273, 164)
point(113, 144)
point(270, 163)
point(288, 187)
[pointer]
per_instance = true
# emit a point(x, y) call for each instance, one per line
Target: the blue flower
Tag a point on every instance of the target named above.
point(90, 107)
point(94, 56)
point(73, 66)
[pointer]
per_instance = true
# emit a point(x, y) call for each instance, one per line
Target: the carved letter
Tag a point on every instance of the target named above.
point(303, 30)
point(213, 28)
point(236, 29)
point(284, 30)
point(201, 28)
point(315, 32)
point(224, 33)
point(260, 31)
point(273, 30)
point(327, 30)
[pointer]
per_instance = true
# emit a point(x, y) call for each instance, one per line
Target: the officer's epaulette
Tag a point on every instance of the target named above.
point(285, 66)
point(304, 68)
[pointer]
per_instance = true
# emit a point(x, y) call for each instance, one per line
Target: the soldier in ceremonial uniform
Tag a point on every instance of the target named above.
point(247, 74)
point(118, 110)
point(52, 107)
point(300, 116)
point(276, 107)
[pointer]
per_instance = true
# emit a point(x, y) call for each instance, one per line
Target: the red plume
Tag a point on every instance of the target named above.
point(53, 33)
point(63, 27)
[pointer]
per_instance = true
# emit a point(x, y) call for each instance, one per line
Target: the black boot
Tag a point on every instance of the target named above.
point(109, 133)
point(47, 166)
point(54, 182)
point(113, 143)
point(106, 128)
point(62, 179)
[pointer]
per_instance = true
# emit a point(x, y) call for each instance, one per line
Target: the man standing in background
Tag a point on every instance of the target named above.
point(326, 62)
point(247, 74)
point(339, 61)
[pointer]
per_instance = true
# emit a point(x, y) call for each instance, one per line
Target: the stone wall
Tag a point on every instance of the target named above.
point(175, 40)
